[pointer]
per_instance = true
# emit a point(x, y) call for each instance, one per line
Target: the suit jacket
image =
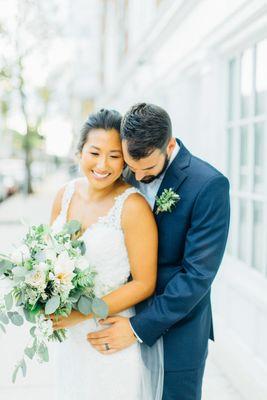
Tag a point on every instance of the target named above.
point(192, 239)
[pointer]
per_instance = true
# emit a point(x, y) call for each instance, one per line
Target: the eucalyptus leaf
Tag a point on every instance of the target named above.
point(23, 367)
point(3, 318)
point(30, 352)
point(5, 265)
point(85, 305)
point(19, 272)
point(32, 331)
point(99, 308)
point(20, 299)
point(75, 296)
point(52, 305)
point(3, 328)
point(8, 301)
point(18, 278)
point(14, 375)
point(15, 318)
point(72, 227)
point(43, 352)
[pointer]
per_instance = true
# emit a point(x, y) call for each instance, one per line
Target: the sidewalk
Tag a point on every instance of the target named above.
point(39, 380)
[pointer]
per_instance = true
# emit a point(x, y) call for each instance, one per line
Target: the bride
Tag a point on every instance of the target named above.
point(121, 240)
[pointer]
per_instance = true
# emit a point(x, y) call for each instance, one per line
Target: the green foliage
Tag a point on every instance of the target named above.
point(15, 318)
point(99, 308)
point(85, 305)
point(32, 331)
point(19, 272)
point(79, 244)
point(29, 315)
point(84, 278)
point(52, 305)
point(72, 227)
point(8, 301)
point(36, 309)
point(5, 266)
point(64, 311)
point(3, 318)
point(42, 351)
point(21, 365)
point(166, 201)
point(31, 351)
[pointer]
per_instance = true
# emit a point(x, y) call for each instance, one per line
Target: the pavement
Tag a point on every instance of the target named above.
point(39, 382)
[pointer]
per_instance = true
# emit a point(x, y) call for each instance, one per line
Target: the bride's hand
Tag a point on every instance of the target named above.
point(74, 318)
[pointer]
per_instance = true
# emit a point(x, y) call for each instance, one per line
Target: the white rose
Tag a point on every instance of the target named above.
point(42, 266)
point(64, 264)
point(64, 267)
point(36, 279)
point(21, 254)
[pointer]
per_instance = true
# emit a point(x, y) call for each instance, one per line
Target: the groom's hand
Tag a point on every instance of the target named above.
point(116, 337)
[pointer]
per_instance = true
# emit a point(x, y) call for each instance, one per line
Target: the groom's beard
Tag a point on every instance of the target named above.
point(151, 178)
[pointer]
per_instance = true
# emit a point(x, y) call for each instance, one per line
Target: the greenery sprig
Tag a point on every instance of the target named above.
point(167, 201)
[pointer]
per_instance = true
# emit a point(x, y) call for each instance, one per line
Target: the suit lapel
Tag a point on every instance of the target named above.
point(175, 174)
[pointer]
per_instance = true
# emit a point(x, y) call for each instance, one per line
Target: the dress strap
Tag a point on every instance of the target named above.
point(118, 206)
point(66, 198)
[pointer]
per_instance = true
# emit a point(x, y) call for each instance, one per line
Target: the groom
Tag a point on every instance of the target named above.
point(192, 238)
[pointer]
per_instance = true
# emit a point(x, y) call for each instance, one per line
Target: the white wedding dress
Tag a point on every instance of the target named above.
point(82, 372)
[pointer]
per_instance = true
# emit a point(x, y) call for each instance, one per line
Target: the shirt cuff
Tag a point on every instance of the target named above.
point(135, 334)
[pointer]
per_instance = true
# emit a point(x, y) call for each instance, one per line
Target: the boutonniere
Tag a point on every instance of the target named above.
point(167, 201)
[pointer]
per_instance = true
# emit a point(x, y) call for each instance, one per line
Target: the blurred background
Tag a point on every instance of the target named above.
point(205, 62)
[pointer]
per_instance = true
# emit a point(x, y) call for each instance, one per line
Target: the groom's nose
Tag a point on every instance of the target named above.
point(139, 175)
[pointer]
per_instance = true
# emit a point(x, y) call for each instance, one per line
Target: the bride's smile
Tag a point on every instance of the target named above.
point(101, 158)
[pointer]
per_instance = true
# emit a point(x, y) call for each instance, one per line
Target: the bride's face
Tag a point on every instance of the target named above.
point(101, 157)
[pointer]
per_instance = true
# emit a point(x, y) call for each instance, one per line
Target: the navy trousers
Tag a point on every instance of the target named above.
point(183, 385)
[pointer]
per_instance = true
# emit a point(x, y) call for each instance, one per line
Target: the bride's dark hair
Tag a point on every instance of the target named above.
point(103, 119)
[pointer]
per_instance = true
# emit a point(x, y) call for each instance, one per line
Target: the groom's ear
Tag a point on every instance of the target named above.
point(171, 146)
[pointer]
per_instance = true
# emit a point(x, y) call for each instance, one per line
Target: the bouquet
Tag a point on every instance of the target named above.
point(49, 274)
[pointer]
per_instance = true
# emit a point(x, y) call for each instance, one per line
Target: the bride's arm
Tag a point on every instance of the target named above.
point(56, 208)
point(141, 239)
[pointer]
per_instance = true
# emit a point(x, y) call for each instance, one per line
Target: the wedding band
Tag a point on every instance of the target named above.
point(107, 346)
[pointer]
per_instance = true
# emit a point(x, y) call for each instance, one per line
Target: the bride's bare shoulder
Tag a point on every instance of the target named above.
point(57, 204)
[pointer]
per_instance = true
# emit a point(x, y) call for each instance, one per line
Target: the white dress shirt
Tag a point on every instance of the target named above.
point(150, 190)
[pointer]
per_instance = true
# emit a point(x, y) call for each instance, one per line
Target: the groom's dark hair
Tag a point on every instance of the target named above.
point(102, 119)
point(146, 127)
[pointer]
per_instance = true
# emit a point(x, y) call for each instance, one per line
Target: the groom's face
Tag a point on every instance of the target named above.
point(149, 168)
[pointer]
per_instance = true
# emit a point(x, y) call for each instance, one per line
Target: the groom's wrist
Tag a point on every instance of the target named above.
point(135, 334)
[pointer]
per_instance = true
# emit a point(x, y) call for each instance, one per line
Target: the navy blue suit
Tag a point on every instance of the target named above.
point(192, 239)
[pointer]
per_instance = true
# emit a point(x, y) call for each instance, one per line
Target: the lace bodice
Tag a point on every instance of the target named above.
point(105, 246)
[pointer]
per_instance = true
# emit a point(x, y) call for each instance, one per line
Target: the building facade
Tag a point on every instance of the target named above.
point(205, 62)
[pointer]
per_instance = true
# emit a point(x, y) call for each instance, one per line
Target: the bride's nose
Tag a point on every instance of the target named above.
point(102, 163)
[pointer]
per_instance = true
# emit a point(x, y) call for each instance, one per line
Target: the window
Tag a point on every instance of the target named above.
point(246, 130)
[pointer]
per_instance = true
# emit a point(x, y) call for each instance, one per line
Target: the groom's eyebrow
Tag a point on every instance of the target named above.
point(143, 169)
